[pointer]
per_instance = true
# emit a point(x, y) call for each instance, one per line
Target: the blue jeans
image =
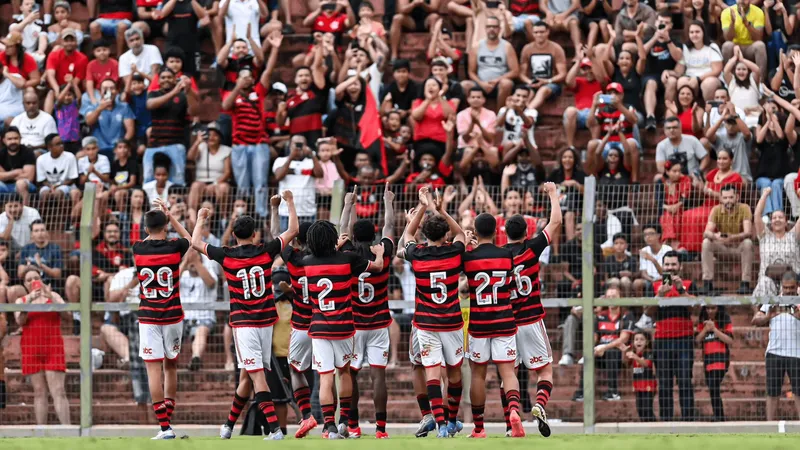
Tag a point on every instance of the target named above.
point(10, 187)
point(109, 26)
point(285, 221)
point(251, 169)
point(674, 359)
point(177, 170)
point(775, 199)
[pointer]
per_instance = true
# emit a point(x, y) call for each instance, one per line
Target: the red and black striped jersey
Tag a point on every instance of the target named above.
point(330, 280)
point(673, 321)
point(248, 118)
point(644, 376)
point(305, 110)
point(436, 271)
point(610, 328)
point(526, 298)
point(716, 354)
point(158, 268)
point(301, 304)
point(248, 271)
point(370, 291)
point(489, 273)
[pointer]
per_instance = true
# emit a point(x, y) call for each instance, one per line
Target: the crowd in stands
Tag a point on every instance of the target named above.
point(113, 97)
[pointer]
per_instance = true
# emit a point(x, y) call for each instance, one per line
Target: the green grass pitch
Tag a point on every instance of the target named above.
point(566, 442)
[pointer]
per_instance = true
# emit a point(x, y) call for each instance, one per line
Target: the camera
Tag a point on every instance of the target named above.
point(715, 103)
point(666, 279)
point(661, 26)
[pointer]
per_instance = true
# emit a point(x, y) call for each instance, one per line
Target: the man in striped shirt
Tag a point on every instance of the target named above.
point(248, 270)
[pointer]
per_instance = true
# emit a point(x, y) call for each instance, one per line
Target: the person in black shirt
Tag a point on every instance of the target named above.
point(619, 268)
point(662, 67)
point(17, 166)
point(401, 92)
point(124, 174)
point(182, 17)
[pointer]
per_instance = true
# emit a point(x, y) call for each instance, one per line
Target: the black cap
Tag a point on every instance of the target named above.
point(398, 64)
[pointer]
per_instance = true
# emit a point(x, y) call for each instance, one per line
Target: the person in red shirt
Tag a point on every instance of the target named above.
point(66, 65)
point(17, 61)
point(429, 113)
point(331, 16)
point(102, 67)
point(582, 81)
point(173, 59)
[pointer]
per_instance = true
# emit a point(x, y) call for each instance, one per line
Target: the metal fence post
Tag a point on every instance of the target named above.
point(337, 201)
point(587, 285)
point(87, 216)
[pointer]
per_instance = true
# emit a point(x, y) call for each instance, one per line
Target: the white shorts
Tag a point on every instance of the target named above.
point(413, 348)
point(498, 350)
point(330, 355)
point(64, 189)
point(371, 346)
point(533, 346)
point(253, 347)
point(157, 342)
point(437, 347)
point(300, 350)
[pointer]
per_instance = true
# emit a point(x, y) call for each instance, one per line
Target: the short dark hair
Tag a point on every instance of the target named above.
point(367, 4)
point(244, 227)
point(671, 119)
point(541, 23)
point(516, 227)
point(435, 228)
point(174, 52)
point(728, 187)
point(723, 88)
point(155, 220)
point(49, 139)
point(522, 87)
point(655, 226)
point(672, 254)
point(789, 276)
point(166, 69)
point(476, 88)
point(302, 236)
point(38, 222)
point(485, 225)
point(363, 231)
point(620, 236)
point(665, 13)
point(12, 130)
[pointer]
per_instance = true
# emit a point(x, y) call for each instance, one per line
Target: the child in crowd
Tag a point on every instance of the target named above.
point(715, 332)
point(330, 174)
point(677, 188)
point(136, 95)
point(67, 117)
point(640, 357)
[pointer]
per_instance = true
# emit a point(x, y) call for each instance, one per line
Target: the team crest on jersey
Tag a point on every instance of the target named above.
point(460, 351)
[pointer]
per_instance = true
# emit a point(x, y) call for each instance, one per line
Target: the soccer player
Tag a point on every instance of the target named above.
point(492, 330)
point(157, 261)
point(300, 342)
point(370, 300)
point(248, 269)
point(330, 273)
point(533, 345)
point(437, 266)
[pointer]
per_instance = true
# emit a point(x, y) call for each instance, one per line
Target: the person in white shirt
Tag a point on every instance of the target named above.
point(159, 186)
point(34, 124)
point(243, 15)
point(296, 173)
point(144, 59)
point(98, 171)
point(783, 351)
point(198, 285)
point(32, 29)
point(56, 173)
point(650, 259)
point(11, 89)
point(16, 220)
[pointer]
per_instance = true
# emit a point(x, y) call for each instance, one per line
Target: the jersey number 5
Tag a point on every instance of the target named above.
point(255, 285)
point(437, 282)
point(327, 287)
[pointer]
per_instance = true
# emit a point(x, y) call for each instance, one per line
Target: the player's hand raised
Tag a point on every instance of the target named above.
point(410, 214)
point(287, 196)
point(275, 201)
point(438, 203)
point(162, 205)
point(423, 196)
point(549, 188)
point(344, 237)
point(378, 250)
point(388, 195)
point(204, 213)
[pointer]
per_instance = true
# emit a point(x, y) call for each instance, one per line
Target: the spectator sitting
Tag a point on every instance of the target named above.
point(62, 21)
point(563, 15)
point(728, 233)
point(525, 13)
point(65, 66)
point(628, 24)
point(570, 179)
point(703, 61)
point(616, 122)
point(443, 71)
point(582, 81)
point(11, 89)
point(677, 188)
point(782, 77)
point(651, 260)
point(16, 221)
point(296, 172)
point(543, 65)
point(715, 333)
point(684, 148)
point(111, 18)
point(412, 15)
point(743, 27)
point(124, 175)
point(19, 62)
point(782, 356)
point(304, 105)
point(619, 268)
point(495, 64)
point(34, 124)
point(595, 21)
point(41, 256)
point(475, 119)
point(111, 120)
point(743, 79)
point(213, 170)
point(663, 57)
point(777, 247)
point(132, 218)
point(175, 58)
point(367, 25)
point(199, 281)
point(687, 111)
point(30, 27)
point(56, 173)
point(735, 138)
point(101, 68)
point(68, 117)
point(570, 332)
point(331, 16)
point(94, 167)
point(142, 59)
point(159, 186)
point(17, 165)
point(628, 73)
point(523, 169)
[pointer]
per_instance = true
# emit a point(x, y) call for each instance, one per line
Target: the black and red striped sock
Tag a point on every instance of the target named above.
point(352, 419)
point(513, 401)
point(477, 417)
point(161, 414)
point(543, 390)
point(170, 404)
point(454, 399)
point(424, 404)
point(303, 398)
point(380, 421)
point(236, 410)
point(506, 412)
point(344, 409)
point(328, 413)
point(435, 395)
point(264, 402)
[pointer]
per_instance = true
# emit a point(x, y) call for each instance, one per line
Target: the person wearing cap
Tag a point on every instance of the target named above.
point(617, 121)
point(581, 79)
point(61, 12)
point(111, 120)
point(412, 15)
point(30, 27)
point(66, 65)
point(102, 67)
point(34, 124)
point(18, 61)
point(441, 45)
point(494, 66)
point(543, 65)
point(213, 171)
point(112, 18)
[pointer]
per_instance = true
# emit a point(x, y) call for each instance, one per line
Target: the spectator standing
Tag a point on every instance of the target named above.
point(199, 283)
point(777, 247)
point(402, 91)
point(783, 353)
point(305, 105)
point(111, 120)
point(101, 68)
point(663, 66)
point(42, 349)
point(640, 357)
point(414, 15)
point(11, 89)
point(543, 65)
point(296, 172)
point(112, 18)
point(170, 108)
point(728, 234)
point(715, 333)
point(65, 66)
point(34, 124)
point(136, 96)
point(42, 256)
point(213, 172)
point(677, 189)
point(242, 15)
point(18, 61)
point(743, 27)
point(182, 18)
point(673, 342)
point(735, 137)
point(67, 115)
point(582, 81)
point(16, 221)
point(142, 59)
point(495, 65)
point(17, 166)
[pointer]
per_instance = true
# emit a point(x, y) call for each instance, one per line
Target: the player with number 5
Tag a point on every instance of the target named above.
point(248, 270)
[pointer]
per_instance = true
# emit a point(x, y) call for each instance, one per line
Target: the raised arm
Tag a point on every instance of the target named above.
point(555, 209)
point(172, 220)
point(347, 210)
point(294, 224)
point(455, 228)
point(388, 213)
point(413, 225)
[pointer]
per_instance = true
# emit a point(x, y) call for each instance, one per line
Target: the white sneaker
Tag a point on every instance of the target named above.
point(276, 436)
point(166, 434)
point(225, 431)
point(343, 432)
point(334, 436)
point(566, 360)
point(580, 361)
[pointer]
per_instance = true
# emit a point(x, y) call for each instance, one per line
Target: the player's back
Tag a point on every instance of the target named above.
point(248, 271)
point(301, 304)
point(370, 292)
point(436, 270)
point(526, 297)
point(158, 269)
point(489, 273)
